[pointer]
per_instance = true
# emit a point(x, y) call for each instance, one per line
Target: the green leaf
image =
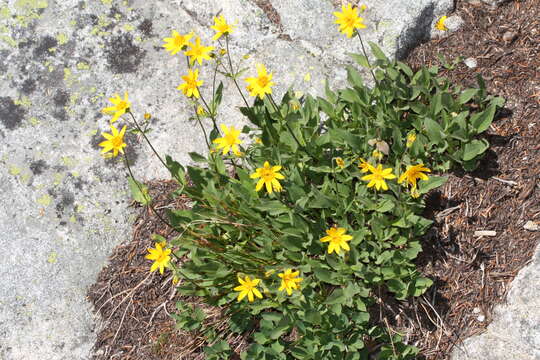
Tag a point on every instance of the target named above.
point(324, 275)
point(433, 182)
point(467, 95)
point(376, 50)
point(139, 191)
point(354, 77)
point(360, 59)
point(434, 130)
point(219, 95)
point(474, 148)
point(197, 157)
point(336, 297)
point(405, 68)
point(341, 135)
point(482, 121)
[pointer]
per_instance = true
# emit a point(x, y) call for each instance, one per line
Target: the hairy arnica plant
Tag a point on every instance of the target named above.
point(300, 220)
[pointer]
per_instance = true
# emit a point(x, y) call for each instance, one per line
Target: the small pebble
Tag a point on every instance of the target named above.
point(509, 36)
point(531, 226)
point(476, 310)
point(481, 318)
point(471, 62)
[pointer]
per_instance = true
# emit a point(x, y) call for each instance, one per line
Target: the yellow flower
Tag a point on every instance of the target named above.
point(160, 256)
point(147, 116)
point(377, 177)
point(248, 287)
point(269, 176)
point(340, 162)
point(191, 86)
point(260, 85)
point(413, 173)
point(198, 52)
point(377, 154)
point(411, 138)
point(114, 142)
point(258, 140)
point(439, 25)
point(230, 140)
point(177, 42)
point(289, 281)
point(120, 106)
point(364, 165)
point(348, 20)
point(221, 27)
point(337, 239)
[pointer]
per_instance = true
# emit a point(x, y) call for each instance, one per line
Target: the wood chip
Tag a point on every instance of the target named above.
point(485, 233)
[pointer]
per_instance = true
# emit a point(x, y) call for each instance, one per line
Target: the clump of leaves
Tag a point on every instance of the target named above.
point(232, 230)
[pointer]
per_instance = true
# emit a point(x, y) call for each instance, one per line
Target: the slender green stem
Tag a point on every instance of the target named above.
point(209, 111)
point(285, 122)
point(202, 127)
point(367, 59)
point(233, 75)
point(147, 140)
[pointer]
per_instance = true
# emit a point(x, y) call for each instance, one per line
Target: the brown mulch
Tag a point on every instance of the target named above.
point(471, 274)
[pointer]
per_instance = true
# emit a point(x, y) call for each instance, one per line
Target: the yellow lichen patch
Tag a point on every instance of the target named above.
point(72, 219)
point(128, 27)
point(106, 2)
point(53, 258)
point(69, 161)
point(62, 38)
point(31, 4)
point(25, 178)
point(79, 208)
point(83, 66)
point(73, 98)
point(58, 178)
point(9, 40)
point(24, 101)
point(14, 170)
point(5, 13)
point(34, 121)
point(44, 200)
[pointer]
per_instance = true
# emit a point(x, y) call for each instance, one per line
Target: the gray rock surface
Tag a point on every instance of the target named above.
point(63, 208)
point(515, 330)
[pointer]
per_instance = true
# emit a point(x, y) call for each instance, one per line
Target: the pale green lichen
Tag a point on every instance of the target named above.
point(34, 121)
point(129, 27)
point(44, 200)
point(72, 219)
